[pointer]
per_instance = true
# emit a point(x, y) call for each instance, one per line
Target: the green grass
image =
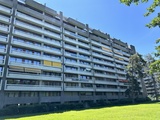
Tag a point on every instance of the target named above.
point(131, 112)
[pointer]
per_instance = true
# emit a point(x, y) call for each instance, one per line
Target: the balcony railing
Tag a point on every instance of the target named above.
point(5, 19)
point(3, 39)
point(1, 73)
point(2, 50)
point(4, 28)
point(105, 82)
point(33, 76)
point(25, 54)
point(37, 66)
point(2, 61)
point(29, 18)
point(78, 88)
point(23, 87)
point(28, 26)
point(5, 9)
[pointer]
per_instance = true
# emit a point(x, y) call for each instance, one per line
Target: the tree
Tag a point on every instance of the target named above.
point(155, 66)
point(149, 60)
point(156, 3)
point(134, 73)
point(155, 22)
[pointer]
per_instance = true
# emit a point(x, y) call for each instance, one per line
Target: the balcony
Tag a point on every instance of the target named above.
point(28, 35)
point(3, 50)
point(102, 51)
point(51, 58)
point(22, 87)
point(123, 78)
point(2, 61)
point(70, 40)
point(5, 9)
point(73, 79)
point(122, 62)
point(78, 72)
point(105, 82)
point(77, 88)
point(83, 44)
point(52, 34)
point(119, 56)
point(84, 51)
point(104, 69)
point(4, 28)
point(122, 90)
point(1, 73)
point(4, 19)
point(126, 54)
point(28, 18)
point(26, 45)
point(107, 90)
point(33, 76)
point(41, 67)
point(69, 47)
point(69, 27)
point(85, 73)
point(70, 33)
point(52, 42)
point(26, 55)
point(102, 56)
point(28, 26)
point(99, 44)
point(51, 50)
point(3, 39)
point(52, 27)
point(82, 38)
point(104, 75)
point(67, 62)
point(121, 72)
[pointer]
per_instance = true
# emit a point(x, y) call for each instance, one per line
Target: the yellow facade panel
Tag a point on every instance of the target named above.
point(56, 64)
point(47, 63)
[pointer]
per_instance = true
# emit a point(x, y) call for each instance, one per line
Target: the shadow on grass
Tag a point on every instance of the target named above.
point(62, 111)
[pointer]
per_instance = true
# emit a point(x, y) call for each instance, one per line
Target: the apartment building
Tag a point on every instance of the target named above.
point(152, 85)
point(47, 57)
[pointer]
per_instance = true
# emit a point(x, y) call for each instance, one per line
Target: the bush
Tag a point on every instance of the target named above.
point(142, 100)
point(125, 101)
point(10, 110)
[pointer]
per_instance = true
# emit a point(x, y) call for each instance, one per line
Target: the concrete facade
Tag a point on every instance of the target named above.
point(47, 57)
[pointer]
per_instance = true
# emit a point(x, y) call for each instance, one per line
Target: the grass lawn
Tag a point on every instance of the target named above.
point(130, 112)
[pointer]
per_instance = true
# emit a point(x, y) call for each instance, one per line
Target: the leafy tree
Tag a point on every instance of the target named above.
point(155, 22)
point(156, 3)
point(155, 66)
point(149, 60)
point(135, 72)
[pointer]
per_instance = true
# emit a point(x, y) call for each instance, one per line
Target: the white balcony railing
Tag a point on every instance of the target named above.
point(36, 66)
point(34, 76)
point(5, 9)
point(29, 18)
point(3, 39)
point(25, 54)
point(4, 18)
point(4, 28)
point(2, 50)
point(23, 87)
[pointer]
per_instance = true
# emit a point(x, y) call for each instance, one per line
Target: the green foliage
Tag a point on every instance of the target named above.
point(156, 3)
point(155, 66)
point(134, 72)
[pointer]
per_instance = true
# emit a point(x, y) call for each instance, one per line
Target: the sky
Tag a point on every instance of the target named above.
point(114, 18)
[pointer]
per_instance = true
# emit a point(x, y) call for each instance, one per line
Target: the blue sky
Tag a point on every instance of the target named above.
point(112, 17)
